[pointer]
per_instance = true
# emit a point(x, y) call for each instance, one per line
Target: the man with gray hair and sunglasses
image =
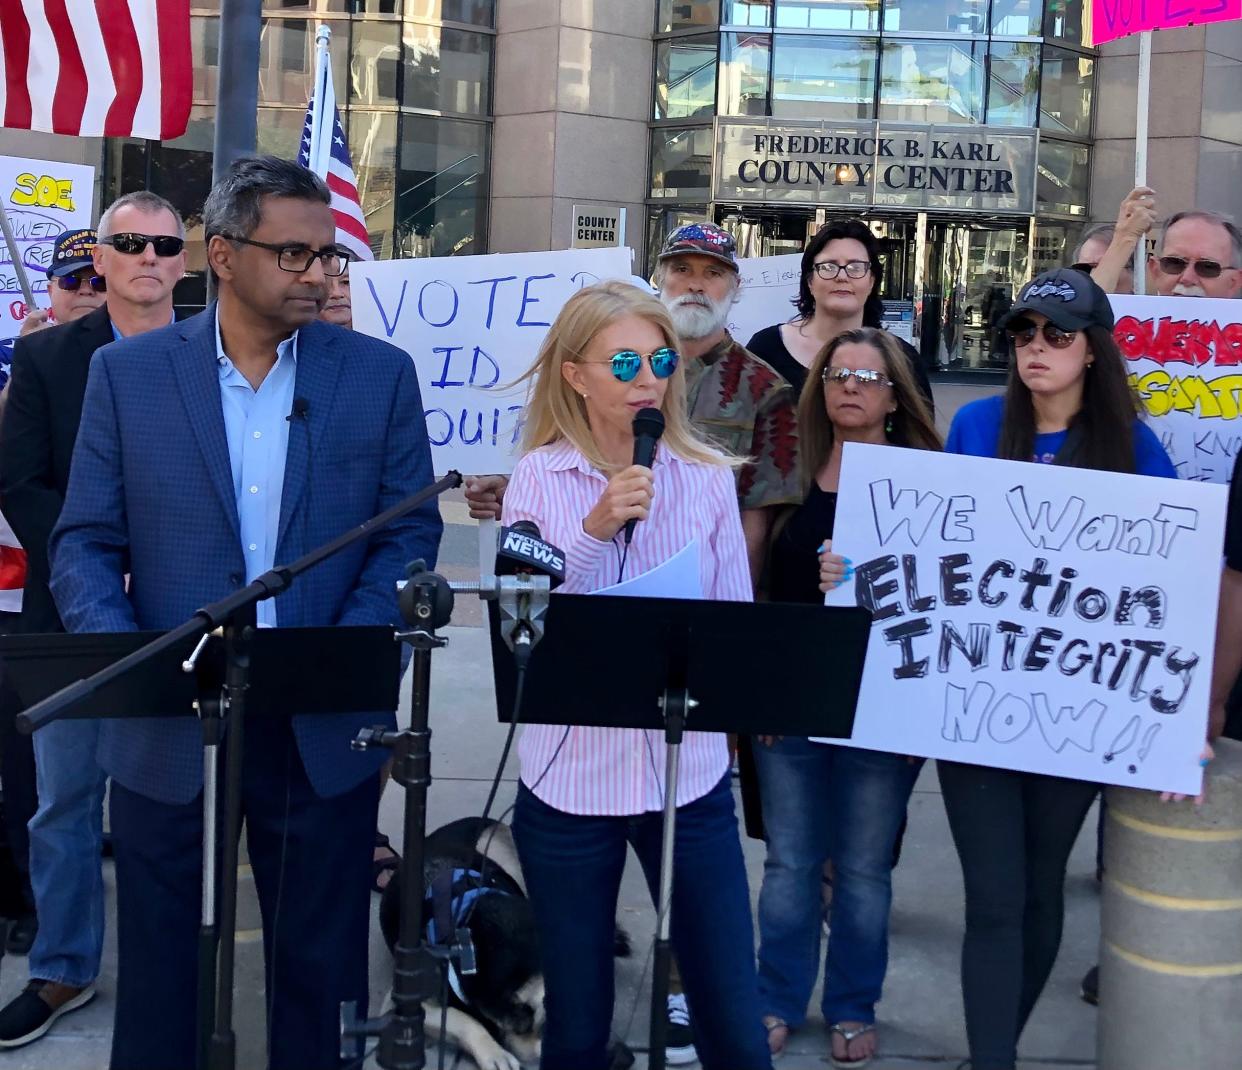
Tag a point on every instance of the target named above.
point(140, 255)
point(1200, 255)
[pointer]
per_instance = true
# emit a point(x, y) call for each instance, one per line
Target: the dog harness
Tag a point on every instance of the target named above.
point(452, 896)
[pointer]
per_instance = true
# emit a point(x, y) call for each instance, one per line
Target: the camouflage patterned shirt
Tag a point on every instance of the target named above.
point(739, 403)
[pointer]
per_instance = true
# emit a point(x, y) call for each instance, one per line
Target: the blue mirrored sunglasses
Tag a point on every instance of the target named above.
point(626, 363)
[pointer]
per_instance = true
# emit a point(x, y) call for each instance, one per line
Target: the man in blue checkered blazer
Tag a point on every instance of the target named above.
point(208, 451)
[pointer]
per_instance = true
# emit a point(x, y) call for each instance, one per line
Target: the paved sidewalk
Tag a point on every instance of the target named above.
point(920, 1020)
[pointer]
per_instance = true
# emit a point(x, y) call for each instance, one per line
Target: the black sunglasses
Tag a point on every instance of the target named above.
point(1086, 269)
point(1205, 269)
point(133, 244)
point(73, 282)
point(1023, 334)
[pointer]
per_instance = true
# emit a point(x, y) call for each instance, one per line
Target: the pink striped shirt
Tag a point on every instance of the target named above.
point(620, 771)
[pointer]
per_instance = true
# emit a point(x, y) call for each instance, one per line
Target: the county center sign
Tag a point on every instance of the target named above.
point(873, 164)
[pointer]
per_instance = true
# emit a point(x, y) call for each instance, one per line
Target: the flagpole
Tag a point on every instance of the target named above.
point(237, 95)
point(322, 117)
point(1140, 151)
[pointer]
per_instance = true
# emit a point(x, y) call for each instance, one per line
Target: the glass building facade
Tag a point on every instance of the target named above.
point(945, 66)
point(413, 83)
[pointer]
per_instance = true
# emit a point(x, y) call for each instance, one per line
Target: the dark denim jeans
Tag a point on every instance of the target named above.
point(573, 864)
point(821, 801)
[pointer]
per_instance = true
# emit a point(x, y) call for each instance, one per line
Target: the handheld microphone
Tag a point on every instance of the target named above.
point(301, 410)
point(648, 427)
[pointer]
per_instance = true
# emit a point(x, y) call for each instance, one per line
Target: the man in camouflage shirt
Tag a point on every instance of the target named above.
point(735, 399)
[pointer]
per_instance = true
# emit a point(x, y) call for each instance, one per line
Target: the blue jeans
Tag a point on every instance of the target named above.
point(66, 836)
point(573, 863)
point(823, 801)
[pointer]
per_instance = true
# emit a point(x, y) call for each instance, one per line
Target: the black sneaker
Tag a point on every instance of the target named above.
point(1090, 990)
point(30, 1015)
point(22, 933)
point(679, 1037)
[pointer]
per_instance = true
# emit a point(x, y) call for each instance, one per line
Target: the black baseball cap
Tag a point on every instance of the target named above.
point(72, 252)
point(1070, 299)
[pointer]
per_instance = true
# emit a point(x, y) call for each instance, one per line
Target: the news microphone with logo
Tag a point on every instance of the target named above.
point(648, 427)
point(521, 549)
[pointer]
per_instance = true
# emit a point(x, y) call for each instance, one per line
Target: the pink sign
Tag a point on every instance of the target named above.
point(1111, 19)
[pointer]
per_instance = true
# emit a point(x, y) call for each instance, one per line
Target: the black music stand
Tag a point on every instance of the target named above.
point(672, 664)
point(356, 670)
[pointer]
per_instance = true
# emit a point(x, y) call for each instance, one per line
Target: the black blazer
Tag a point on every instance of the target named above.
point(37, 435)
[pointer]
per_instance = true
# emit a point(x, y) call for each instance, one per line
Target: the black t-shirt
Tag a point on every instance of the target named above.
point(794, 566)
point(1233, 518)
point(768, 345)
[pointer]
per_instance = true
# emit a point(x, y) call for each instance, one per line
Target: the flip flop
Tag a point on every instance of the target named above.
point(380, 866)
point(850, 1035)
point(772, 1023)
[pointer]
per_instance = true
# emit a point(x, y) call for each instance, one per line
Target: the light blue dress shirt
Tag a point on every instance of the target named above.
point(257, 432)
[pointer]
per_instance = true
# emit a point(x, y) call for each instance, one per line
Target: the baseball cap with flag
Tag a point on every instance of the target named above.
point(703, 239)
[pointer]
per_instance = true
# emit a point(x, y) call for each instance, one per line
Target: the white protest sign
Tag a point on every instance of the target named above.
point(769, 285)
point(473, 325)
point(1183, 355)
point(1033, 617)
point(43, 199)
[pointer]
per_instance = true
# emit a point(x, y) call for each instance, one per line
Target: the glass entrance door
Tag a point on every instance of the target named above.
point(973, 271)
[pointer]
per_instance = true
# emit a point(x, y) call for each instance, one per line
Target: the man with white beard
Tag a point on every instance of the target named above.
point(1200, 255)
point(734, 398)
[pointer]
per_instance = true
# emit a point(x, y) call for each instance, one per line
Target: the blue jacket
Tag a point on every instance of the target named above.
point(150, 494)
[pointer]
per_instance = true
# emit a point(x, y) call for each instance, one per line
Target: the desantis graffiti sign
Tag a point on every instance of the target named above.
point(1184, 357)
point(473, 325)
point(872, 163)
point(1032, 617)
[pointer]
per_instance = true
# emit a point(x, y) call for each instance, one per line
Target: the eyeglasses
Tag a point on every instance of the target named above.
point(626, 364)
point(864, 377)
point(1205, 269)
point(133, 244)
point(1086, 269)
point(71, 282)
point(1023, 334)
point(298, 258)
point(854, 269)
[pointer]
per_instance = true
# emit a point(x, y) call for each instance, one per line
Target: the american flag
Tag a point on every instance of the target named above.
point(326, 152)
point(112, 68)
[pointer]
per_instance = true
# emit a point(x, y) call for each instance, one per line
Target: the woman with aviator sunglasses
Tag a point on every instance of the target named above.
point(585, 793)
point(1068, 402)
point(821, 800)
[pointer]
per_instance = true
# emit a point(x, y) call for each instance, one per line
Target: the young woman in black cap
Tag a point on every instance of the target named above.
point(1068, 402)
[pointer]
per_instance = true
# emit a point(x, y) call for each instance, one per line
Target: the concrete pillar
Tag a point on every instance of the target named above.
point(1171, 939)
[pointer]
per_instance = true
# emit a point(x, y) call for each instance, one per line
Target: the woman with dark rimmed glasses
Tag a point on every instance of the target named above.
point(587, 793)
point(1068, 402)
point(822, 800)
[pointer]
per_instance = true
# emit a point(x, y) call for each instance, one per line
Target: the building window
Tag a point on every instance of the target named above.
point(1013, 83)
point(287, 60)
point(1065, 101)
point(936, 16)
point(1064, 19)
point(747, 13)
point(205, 55)
point(824, 77)
point(828, 14)
point(686, 15)
point(442, 187)
point(471, 12)
point(685, 78)
point(745, 61)
point(373, 149)
point(1017, 18)
point(932, 81)
point(1063, 179)
point(447, 70)
point(317, 6)
point(681, 161)
point(375, 63)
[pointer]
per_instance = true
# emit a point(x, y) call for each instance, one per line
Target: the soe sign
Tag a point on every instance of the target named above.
point(597, 227)
point(872, 164)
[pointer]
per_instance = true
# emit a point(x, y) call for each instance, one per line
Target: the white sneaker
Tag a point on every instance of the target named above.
point(679, 1037)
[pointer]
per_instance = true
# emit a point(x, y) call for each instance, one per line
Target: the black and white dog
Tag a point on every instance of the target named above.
point(472, 880)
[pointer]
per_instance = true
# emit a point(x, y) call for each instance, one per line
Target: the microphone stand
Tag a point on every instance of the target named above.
point(232, 617)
